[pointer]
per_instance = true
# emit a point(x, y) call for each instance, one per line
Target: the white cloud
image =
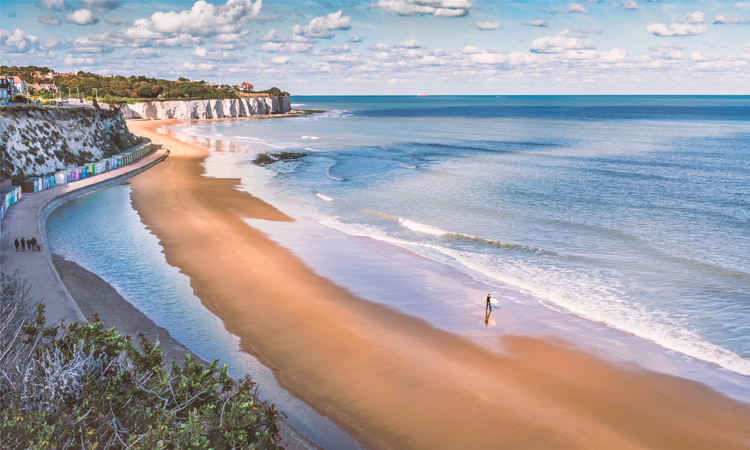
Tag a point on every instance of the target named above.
point(615, 55)
point(576, 8)
point(724, 19)
point(437, 8)
point(230, 41)
point(213, 55)
point(18, 42)
point(381, 47)
point(78, 61)
point(57, 5)
point(101, 6)
point(279, 60)
point(323, 27)
point(561, 43)
point(629, 4)
point(113, 21)
point(49, 19)
point(676, 29)
point(487, 26)
point(698, 56)
point(584, 31)
point(512, 59)
point(286, 47)
point(411, 43)
point(355, 38)
point(695, 17)
point(331, 50)
point(742, 5)
point(537, 23)
point(145, 53)
point(472, 50)
point(340, 59)
point(81, 17)
point(666, 51)
point(203, 19)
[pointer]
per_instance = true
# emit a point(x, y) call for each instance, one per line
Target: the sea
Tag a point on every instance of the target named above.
point(620, 223)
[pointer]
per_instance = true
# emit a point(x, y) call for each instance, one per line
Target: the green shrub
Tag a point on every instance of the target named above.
point(86, 387)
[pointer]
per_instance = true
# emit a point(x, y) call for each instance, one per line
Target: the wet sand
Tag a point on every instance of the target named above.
point(391, 379)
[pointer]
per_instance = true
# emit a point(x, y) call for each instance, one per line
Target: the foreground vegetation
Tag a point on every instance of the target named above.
point(82, 386)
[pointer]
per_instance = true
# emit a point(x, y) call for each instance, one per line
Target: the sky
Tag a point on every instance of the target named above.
point(384, 47)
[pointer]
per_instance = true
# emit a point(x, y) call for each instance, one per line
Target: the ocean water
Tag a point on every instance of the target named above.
point(631, 212)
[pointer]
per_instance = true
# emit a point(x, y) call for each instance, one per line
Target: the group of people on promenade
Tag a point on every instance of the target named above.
point(31, 244)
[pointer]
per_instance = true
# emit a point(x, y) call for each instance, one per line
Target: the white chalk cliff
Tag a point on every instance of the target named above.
point(207, 109)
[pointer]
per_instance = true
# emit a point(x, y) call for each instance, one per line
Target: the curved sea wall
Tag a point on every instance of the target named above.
point(208, 109)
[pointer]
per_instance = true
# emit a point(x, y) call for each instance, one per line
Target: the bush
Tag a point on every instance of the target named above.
point(19, 98)
point(274, 91)
point(82, 386)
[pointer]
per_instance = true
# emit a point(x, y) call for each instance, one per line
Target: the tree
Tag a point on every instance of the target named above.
point(174, 93)
point(19, 98)
point(144, 92)
point(96, 104)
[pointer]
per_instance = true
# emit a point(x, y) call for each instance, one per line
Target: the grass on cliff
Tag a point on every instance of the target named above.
point(82, 386)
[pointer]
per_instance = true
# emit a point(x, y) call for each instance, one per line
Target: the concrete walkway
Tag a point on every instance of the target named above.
point(27, 218)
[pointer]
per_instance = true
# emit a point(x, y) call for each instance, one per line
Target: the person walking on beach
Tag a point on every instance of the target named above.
point(489, 304)
point(16, 243)
point(28, 243)
point(23, 244)
point(33, 244)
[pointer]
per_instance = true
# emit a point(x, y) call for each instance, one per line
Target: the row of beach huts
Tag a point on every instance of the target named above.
point(12, 194)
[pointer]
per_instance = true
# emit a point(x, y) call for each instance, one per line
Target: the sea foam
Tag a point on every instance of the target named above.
point(594, 295)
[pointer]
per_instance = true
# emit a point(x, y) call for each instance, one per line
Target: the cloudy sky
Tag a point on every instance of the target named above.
point(395, 46)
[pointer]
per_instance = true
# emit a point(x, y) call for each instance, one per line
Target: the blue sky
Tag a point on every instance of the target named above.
point(395, 46)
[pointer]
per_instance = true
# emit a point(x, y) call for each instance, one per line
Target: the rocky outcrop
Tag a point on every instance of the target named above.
point(208, 109)
point(39, 141)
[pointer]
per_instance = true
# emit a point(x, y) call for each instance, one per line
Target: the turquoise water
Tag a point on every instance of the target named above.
point(632, 212)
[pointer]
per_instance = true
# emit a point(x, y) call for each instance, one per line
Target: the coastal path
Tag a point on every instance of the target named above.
point(27, 218)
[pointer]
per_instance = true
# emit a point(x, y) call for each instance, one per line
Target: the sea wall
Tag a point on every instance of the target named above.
point(38, 141)
point(208, 109)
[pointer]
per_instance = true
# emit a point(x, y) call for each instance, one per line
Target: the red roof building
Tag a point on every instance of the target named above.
point(246, 86)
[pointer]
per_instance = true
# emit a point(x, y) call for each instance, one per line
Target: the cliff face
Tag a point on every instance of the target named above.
point(208, 109)
point(38, 141)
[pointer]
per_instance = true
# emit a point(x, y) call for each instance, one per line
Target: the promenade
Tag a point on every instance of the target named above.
point(27, 219)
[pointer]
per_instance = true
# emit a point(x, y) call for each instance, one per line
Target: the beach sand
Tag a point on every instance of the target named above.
point(390, 379)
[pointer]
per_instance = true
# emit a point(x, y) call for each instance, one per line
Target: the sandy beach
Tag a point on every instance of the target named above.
point(390, 379)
